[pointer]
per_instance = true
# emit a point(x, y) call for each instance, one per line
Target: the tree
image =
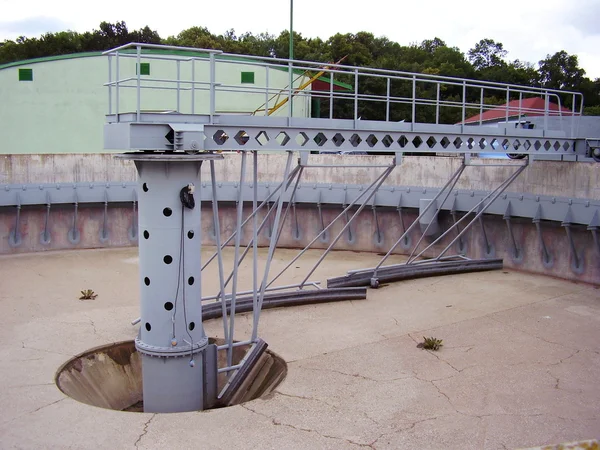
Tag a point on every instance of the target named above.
point(561, 71)
point(487, 53)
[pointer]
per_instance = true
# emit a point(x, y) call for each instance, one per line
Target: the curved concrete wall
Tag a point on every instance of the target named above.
point(579, 180)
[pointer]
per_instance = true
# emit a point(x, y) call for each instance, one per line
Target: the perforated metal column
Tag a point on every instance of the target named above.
point(171, 337)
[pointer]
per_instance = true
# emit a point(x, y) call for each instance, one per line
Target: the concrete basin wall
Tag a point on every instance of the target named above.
point(578, 180)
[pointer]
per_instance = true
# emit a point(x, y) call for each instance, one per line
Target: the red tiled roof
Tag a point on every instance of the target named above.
point(528, 107)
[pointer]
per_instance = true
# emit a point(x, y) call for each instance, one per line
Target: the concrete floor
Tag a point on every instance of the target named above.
point(519, 367)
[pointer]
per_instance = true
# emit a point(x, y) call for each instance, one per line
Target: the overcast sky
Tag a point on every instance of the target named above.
point(529, 29)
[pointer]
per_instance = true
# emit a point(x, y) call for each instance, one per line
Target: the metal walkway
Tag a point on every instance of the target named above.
point(195, 124)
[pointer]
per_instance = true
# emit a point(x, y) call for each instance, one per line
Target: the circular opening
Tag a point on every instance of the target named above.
point(191, 280)
point(145, 187)
point(168, 306)
point(148, 326)
point(190, 234)
point(147, 281)
point(146, 234)
point(110, 376)
point(191, 326)
point(168, 259)
point(167, 212)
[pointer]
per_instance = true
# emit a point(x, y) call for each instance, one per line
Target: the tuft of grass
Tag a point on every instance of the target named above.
point(88, 294)
point(432, 343)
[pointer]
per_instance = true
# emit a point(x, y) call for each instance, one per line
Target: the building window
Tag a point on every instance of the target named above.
point(144, 69)
point(25, 74)
point(248, 77)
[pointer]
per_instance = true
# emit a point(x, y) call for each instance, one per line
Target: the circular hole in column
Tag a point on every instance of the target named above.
point(168, 306)
point(145, 187)
point(147, 281)
point(168, 259)
point(191, 280)
point(146, 234)
point(191, 326)
point(167, 212)
point(190, 234)
point(148, 326)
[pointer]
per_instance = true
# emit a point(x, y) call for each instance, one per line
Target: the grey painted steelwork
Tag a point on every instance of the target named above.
point(539, 207)
point(172, 338)
point(557, 135)
point(401, 272)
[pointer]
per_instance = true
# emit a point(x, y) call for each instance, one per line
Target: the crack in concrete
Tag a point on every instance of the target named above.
point(564, 359)
point(438, 357)
point(144, 431)
point(334, 407)
point(354, 375)
point(306, 430)
point(45, 406)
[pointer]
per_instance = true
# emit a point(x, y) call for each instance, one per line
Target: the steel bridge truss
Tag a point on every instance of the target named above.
point(194, 122)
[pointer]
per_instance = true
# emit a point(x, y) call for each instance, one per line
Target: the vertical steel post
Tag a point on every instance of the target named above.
point(171, 338)
point(387, 101)
point(414, 102)
point(464, 105)
point(266, 90)
point(217, 228)
point(139, 83)
point(109, 84)
point(238, 236)
point(213, 93)
point(331, 96)
point(179, 85)
point(437, 104)
point(118, 82)
point(355, 94)
point(254, 247)
point(193, 86)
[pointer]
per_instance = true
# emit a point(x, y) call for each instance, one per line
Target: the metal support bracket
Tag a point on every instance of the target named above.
point(406, 242)
point(547, 258)
point(489, 251)
point(378, 238)
point(73, 235)
point(104, 233)
point(324, 237)
point(577, 262)
point(516, 252)
point(45, 234)
point(351, 238)
point(593, 227)
point(461, 245)
point(14, 237)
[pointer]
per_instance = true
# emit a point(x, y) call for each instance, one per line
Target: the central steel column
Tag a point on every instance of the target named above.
point(171, 338)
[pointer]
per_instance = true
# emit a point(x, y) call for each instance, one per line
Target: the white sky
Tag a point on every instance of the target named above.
point(529, 29)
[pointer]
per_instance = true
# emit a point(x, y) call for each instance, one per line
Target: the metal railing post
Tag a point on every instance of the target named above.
point(109, 84)
point(178, 85)
point(355, 94)
point(414, 102)
point(266, 90)
point(118, 82)
point(213, 93)
point(139, 83)
point(387, 101)
point(194, 86)
point(437, 104)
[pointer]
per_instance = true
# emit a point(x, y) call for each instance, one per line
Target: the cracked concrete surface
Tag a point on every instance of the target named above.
point(519, 366)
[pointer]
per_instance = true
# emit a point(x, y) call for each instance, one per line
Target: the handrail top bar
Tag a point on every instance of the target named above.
point(326, 67)
point(161, 47)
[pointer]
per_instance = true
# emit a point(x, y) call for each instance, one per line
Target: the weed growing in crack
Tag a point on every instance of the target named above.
point(431, 343)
